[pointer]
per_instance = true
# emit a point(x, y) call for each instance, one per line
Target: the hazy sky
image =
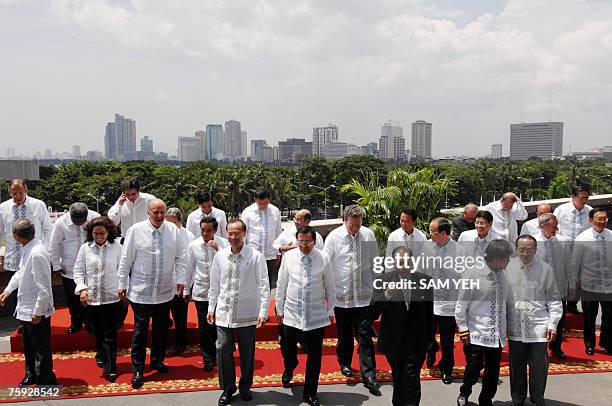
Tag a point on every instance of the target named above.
point(282, 67)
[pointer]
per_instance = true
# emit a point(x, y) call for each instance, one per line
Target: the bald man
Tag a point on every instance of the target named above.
point(151, 272)
point(532, 227)
point(287, 241)
point(465, 221)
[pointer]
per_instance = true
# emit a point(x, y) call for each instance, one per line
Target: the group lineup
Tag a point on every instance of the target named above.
point(145, 255)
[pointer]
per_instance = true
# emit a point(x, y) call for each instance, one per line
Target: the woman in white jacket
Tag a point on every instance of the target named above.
point(95, 276)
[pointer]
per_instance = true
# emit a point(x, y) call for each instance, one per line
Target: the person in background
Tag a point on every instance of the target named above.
point(132, 206)
point(96, 282)
point(506, 212)
point(532, 227)
point(206, 209)
point(465, 221)
point(407, 234)
point(287, 240)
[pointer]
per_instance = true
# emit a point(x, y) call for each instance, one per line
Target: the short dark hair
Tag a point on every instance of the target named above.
point(401, 248)
point(596, 210)
point(409, 212)
point(204, 196)
point(526, 237)
point(130, 183)
point(102, 221)
point(307, 230)
point(485, 214)
point(444, 225)
point(25, 229)
point(263, 193)
point(232, 221)
point(210, 220)
point(580, 188)
point(498, 249)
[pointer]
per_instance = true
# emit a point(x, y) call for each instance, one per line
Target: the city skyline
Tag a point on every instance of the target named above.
point(471, 69)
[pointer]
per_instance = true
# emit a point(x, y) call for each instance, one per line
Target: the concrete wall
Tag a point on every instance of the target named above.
point(19, 169)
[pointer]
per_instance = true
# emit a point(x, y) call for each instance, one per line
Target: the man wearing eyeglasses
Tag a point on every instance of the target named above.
point(287, 240)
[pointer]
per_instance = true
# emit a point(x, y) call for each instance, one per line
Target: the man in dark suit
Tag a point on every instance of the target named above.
point(465, 221)
point(404, 300)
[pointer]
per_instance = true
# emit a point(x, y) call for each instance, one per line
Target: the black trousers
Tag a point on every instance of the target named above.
point(207, 333)
point(314, 344)
point(272, 265)
point(37, 351)
point(536, 356)
point(477, 357)
point(179, 315)
point(350, 323)
point(555, 345)
point(406, 373)
point(160, 316)
point(226, 346)
point(590, 307)
point(446, 326)
point(104, 319)
point(77, 312)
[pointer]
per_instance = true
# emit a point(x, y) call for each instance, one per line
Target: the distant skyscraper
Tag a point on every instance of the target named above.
point(335, 150)
point(421, 139)
point(233, 139)
point(322, 136)
point(188, 148)
point(370, 149)
point(76, 152)
point(120, 139)
point(290, 150)
point(255, 144)
point(146, 144)
point(201, 135)
point(496, 151)
point(215, 144)
point(541, 140)
point(265, 153)
point(391, 143)
point(48, 153)
point(110, 142)
point(243, 144)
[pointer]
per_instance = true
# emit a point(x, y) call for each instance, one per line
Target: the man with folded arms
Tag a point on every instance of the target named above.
point(305, 298)
point(151, 272)
point(238, 304)
point(534, 311)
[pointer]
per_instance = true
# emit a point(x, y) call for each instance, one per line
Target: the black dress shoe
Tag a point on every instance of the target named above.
point(312, 400)
point(589, 350)
point(137, 380)
point(226, 397)
point(111, 377)
point(179, 349)
point(73, 328)
point(447, 379)
point(462, 400)
point(160, 367)
point(246, 396)
point(286, 378)
point(209, 366)
point(372, 386)
point(346, 371)
point(27, 380)
point(559, 355)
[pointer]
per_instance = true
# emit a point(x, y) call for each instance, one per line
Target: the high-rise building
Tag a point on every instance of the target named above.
point(496, 151)
point(76, 152)
point(255, 144)
point(391, 142)
point(120, 139)
point(421, 139)
point(265, 153)
point(293, 148)
point(146, 144)
point(370, 149)
point(335, 150)
point(188, 148)
point(540, 140)
point(233, 139)
point(243, 144)
point(215, 144)
point(201, 135)
point(322, 136)
point(110, 142)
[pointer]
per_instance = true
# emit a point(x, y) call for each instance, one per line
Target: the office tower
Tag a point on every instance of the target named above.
point(110, 142)
point(293, 148)
point(201, 135)
point(188, 148)
point(496, 151)
point(76, 152)
point(421, 139)
point(335, 150)
point(255, 144)
point(233, 139)
point(243, 144)
point(391, 142)
point(322, 136)
point(215, 144)
point(539, 140)
point(146, 144)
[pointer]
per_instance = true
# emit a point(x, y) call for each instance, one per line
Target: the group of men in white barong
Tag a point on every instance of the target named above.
point(229, 269)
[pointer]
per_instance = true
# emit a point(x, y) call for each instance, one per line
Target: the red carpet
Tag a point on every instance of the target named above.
point(80, 377)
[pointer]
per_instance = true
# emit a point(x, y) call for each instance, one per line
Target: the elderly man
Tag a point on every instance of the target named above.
point(407, 234)
point(556, 252)
point(481, 236)
point(66, 239)
point(591, 266)
point(532, 227)
point(180, 307)
point(151, 272)
point(506, 212)
point(34, 304)
point(206, 209)
point(305, 299)
point(534, 311)
point(351, 249)
point(20, 206)
point(200, 254)
point(263, 223)
point(481, 319)
point(465, 221)
point(132, 206)
point(238, 299)
point(287, 240)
